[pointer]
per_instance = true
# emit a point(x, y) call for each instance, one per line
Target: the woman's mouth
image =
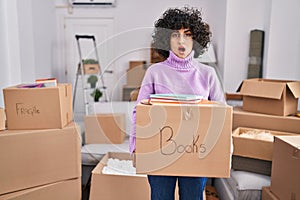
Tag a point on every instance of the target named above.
point(181, 49)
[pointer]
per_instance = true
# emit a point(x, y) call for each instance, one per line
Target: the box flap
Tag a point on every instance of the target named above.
point(262, 88)
point(293, 140)
point(295, 88)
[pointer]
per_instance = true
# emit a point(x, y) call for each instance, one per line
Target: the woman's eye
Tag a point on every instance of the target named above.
point(175, 35)
point(188, 35)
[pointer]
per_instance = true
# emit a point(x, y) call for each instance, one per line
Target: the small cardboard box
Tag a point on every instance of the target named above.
point(253, 147)
point(31, 158)
point(184, 140)
point(38, 108)
point(2, 119)
point(63, 190)
point(111, 186)
point(136, 63)
point(243, 118)
point(135, 75)
point(285, 175)
point(91, 68)
point(274, 97)
point(267, 194)
point(105, 128)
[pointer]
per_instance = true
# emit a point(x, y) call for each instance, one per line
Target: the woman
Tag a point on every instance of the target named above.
point(180, 35)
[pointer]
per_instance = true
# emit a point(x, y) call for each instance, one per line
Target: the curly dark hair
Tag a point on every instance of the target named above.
point(175, 19)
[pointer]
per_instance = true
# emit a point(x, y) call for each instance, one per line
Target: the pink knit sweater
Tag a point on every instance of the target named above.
point(178, 76)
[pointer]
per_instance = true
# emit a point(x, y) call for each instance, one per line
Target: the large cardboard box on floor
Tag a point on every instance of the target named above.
point(274, 97)
point(285, 177)
point(2, 119)
point(113, 186)
point(31, 158)
point(255, 143)
point(62, 190)
point(266, 194)
point(105, 128)
point(38, 108)
point(184, 140)
point(243, 118)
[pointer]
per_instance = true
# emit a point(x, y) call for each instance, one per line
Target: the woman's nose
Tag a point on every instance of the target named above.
point(181, 39)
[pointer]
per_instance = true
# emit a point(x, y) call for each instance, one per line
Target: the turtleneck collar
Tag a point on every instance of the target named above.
point(180, 64)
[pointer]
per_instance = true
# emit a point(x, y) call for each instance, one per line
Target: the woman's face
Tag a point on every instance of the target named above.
point(181, 42)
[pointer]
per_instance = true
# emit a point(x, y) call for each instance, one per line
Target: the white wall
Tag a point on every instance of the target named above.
point(27, 34)
point(283, 57)
point(26, 40)
point(279, 20)
point(216, 17)
point(9, 46)
point(44, 30)
point(241, 18)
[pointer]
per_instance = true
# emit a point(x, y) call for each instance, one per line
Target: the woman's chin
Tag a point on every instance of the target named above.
point(180, 54)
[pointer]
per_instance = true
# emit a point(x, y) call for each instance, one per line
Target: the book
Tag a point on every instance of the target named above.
point(48, 82)
point(177, 97)
point(174, 99)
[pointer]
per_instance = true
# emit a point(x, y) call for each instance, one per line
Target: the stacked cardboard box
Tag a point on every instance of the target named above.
point(253, 149)
point(134, 76)
point(269, 105)
point(135, 73)
point(40, 150)
point(38, 108)
point(285, 176)
point(273, 97)
point(62, 190)
point(243, 118)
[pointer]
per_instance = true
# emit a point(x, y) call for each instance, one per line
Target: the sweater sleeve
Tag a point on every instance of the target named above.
point(216, 91)
point(146, 89)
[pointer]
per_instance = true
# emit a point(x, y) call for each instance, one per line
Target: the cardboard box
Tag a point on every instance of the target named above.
point(184, 140)
point(285, 175)
point(274, 97)
point(89, 68)
point(242, 118)
point(111, 187)
point(135, 75)
point(2, 119)
point(105, 128)
point(252, 147)
point(38, 108)
point(63, 190)
point(267, 194)
point(136, 63)
point(31, 158)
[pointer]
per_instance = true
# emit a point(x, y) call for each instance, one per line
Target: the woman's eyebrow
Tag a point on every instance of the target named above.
point(187, 31)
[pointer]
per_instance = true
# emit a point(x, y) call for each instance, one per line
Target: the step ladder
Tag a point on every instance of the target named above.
point(80, 71)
